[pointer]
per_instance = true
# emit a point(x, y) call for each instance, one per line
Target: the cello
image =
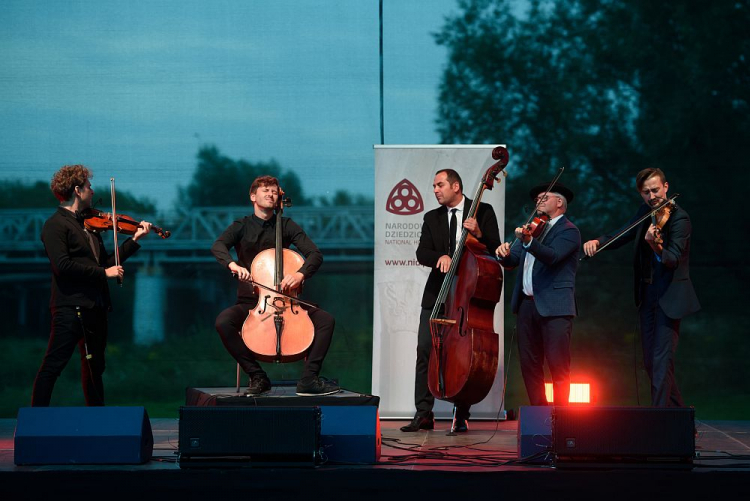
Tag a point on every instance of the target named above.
point(464, 359)
point(277, 329)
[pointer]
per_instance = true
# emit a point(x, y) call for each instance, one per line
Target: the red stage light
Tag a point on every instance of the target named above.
point(580, 393)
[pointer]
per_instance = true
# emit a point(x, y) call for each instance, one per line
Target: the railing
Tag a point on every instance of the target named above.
point(342, 233)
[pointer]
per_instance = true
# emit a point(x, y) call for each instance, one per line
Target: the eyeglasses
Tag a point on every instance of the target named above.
point(541, 200)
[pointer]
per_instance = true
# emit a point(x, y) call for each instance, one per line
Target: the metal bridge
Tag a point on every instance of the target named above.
point(342, 233)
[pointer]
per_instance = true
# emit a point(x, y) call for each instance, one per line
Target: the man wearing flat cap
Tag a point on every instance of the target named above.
point(544, 293)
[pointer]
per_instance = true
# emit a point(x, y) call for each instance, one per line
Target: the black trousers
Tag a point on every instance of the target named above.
point(659, 337)
point(71, 327)
point(229, 326)
point(541, 338)
point(423, 399)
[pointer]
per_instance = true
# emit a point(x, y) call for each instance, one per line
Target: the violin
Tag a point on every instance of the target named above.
point(536, 223)
point(536, 226)
point(660, 218)
point(97, 221)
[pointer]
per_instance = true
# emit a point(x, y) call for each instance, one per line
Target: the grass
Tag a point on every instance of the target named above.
point(712, 354)
point(156, 377)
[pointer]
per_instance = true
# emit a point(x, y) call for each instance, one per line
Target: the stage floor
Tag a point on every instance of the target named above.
point(423, 465)
point(487, 446)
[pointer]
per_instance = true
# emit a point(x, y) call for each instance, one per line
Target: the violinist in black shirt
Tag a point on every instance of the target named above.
point(80, 295)
point(250, 236)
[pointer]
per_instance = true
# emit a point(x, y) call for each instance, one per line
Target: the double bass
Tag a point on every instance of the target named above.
point(277, 329)
point(464, 359)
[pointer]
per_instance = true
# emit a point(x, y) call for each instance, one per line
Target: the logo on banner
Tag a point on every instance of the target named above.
point(404, 199)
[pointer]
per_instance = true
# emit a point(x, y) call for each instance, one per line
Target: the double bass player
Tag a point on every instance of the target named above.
point(441, 230)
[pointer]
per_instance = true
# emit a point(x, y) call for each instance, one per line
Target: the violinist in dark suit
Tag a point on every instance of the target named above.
point(441, 230)
point(663, 290)
point(544, 293)
point(80, 295)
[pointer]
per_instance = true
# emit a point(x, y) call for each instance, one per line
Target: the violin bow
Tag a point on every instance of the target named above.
point(621, 233)
point(539, 201)
point(292, 298)
point(114, 226)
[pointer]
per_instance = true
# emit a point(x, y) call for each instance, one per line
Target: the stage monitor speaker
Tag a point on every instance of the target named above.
point(639, 436)
point(350, 434)
point(82, 435)
point(535, 434)
point(249, 436)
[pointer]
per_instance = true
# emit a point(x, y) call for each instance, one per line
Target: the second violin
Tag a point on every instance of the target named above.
point(97, 221)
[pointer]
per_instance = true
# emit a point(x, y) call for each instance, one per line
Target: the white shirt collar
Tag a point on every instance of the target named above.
point(554, 220)
point(460, 207)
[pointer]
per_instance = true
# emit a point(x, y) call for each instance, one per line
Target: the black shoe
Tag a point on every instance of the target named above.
point(462, 426)
point(316, 387)
point(420, 423)
point(259, 384)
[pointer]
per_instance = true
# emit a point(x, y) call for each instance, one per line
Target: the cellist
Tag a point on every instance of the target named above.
point(544, 294)
point(249, 236)
point(441, 230)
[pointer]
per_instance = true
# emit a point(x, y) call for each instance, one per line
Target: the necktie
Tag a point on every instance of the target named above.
point(454, 225)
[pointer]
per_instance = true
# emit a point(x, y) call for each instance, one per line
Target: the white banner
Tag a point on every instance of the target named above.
point(403, 193)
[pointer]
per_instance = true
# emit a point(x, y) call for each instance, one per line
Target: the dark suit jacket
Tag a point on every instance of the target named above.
point(435, 242)
point(78, 278)
point(678, 298)
point(554, 274)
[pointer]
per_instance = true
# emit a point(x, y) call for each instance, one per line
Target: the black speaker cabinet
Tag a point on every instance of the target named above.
point(82, 435)
point(249, 436)
point(623, 436)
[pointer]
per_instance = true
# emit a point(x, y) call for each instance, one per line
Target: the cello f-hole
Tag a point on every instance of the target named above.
point(461, 329)
point(265, 304)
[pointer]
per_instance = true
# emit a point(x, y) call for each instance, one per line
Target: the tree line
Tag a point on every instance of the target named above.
point(607, 88)
point(217, 181)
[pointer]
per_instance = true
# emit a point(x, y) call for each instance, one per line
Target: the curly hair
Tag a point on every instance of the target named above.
point(67, 178)
point(263, 181)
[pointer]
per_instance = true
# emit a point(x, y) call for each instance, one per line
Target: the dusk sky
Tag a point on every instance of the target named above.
point(134, 89)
